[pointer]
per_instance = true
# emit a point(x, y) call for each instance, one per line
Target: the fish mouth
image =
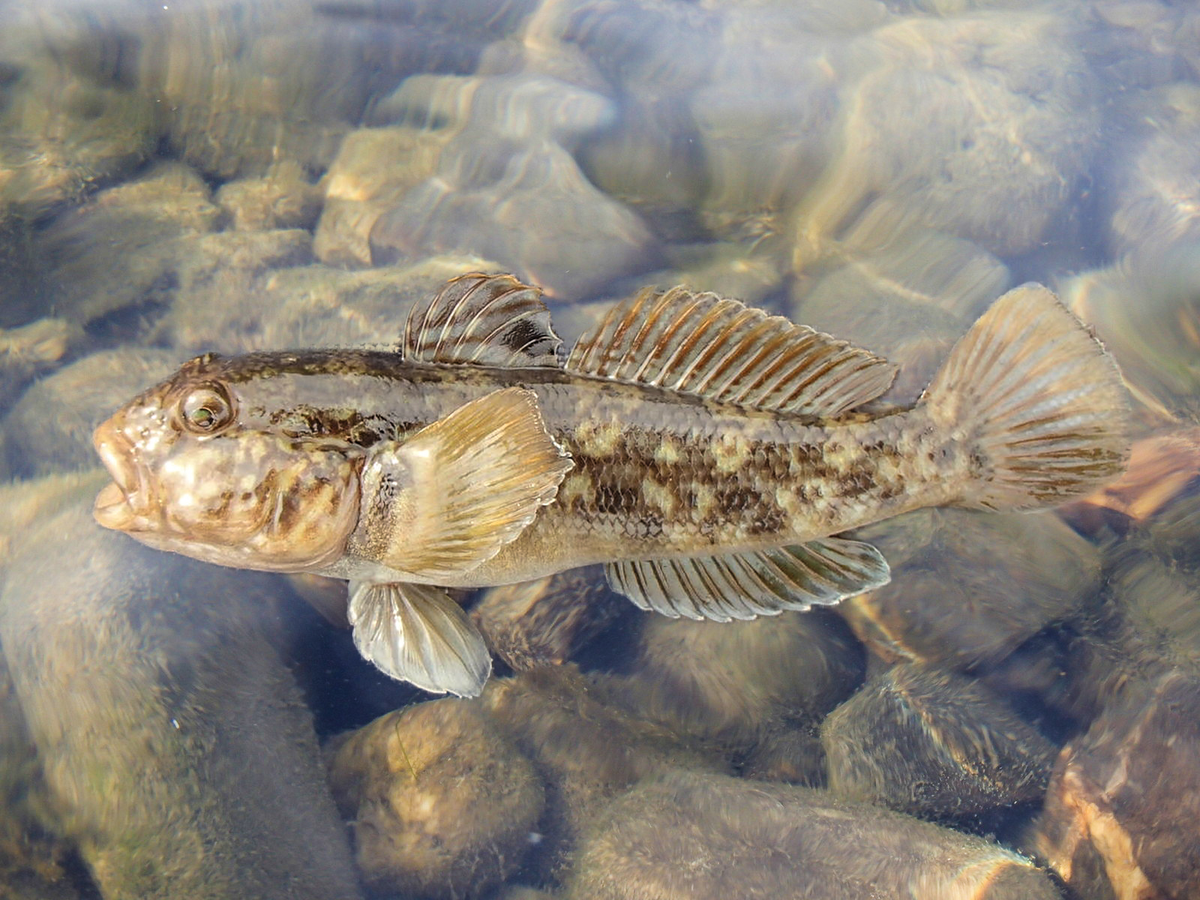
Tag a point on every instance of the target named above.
point(114, 506)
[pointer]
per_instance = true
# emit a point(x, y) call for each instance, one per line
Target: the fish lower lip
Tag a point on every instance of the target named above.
point(112, 509)
point(114, 461)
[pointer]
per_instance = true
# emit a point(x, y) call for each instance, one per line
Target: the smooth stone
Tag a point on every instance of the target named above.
point(443, 804)
point(699, 836)
point(969, 588)
point(933, 744)
point(176, 747)
point(1121, 812)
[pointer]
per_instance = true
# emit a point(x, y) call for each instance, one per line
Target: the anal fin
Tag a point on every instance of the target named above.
point(417, 633)
point(745, 585)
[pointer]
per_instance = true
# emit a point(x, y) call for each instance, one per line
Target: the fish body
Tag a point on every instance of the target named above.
point(703, 451)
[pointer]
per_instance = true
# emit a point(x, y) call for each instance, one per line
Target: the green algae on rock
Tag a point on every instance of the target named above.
point(933, 744)
point(442, 803)
point(694, 836)
point(175, 746)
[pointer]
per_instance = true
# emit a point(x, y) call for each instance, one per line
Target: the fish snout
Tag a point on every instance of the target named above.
point(113, 508)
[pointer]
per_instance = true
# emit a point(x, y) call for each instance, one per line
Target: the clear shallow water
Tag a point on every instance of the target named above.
point(184, 178)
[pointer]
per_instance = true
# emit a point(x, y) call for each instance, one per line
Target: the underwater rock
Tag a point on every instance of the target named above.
point(281, 199)
point(933, 744)
point(31, 860)
point(1149, 192)
point(1161, 469)
point(66, 126)
point(764, 120)
point(585, 748)
point(539, 217)
point(698, 836)
point(1146, 311)
point(543, 622)
point(1121, 812)
point(507, 187)
point(900, 290)
point(121, 248)
point(176, 748)
point(1153, 576)
point(373, 170)
point(307, 306)
point(1007, 128)
point(968, 588)
point(50, 428)
point(443, 804)
point(211, 279)
point(32, 350)
point(793, 755)
point(729, 683)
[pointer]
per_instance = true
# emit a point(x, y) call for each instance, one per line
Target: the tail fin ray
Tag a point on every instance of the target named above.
point(1038, 401)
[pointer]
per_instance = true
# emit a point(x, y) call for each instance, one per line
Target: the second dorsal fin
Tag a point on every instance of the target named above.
point(723, 350)
point(483, 320)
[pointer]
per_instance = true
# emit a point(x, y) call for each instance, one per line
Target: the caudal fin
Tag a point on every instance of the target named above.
point(1038, 401)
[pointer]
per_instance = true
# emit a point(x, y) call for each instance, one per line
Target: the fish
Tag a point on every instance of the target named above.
point(708, 454)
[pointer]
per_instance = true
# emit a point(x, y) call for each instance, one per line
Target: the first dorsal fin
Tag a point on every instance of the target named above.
point(723, 350)
point(483, 320)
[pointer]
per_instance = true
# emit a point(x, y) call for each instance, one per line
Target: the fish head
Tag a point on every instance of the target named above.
point(190, 476)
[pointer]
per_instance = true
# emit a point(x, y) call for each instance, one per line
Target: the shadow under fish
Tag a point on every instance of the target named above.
point(703, 451)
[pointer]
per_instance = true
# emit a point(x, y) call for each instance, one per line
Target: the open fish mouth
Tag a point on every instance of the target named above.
point(114, 507)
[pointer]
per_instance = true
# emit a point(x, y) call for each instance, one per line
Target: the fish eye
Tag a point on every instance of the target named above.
point(205, 410)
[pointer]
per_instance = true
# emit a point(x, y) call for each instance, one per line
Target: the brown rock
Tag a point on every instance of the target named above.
point(585, 748)
point(969, 588)
point(729, 683)
point(542, 622)
point(933, 744)
point(176, 749)
point(1121, 813)
point(698, 836)
point(443, 804)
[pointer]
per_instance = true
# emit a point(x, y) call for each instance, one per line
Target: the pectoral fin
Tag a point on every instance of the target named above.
point(746, 585)
point(448, 498)
point(417, 633)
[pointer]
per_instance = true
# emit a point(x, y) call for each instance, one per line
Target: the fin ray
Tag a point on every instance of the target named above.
point(485, 320)
point(731, 586)
point(1038, 398)
point(417, 633)
point(728, 352)
point(449, 497)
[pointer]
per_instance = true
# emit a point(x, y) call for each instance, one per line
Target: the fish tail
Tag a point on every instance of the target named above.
point(1037, 402)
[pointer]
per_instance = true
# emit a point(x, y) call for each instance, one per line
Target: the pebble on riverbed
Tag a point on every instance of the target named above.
point(586, 749)
point(730, 683)
point(443, 804)
point(544, 622)
point(933, 744)
point(176, 748)
point(699, 836)
point(969, 588)
point(1121, 813)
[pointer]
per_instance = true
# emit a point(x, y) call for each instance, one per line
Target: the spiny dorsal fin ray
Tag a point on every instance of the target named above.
point(417, 633)
point(723, 350)
point(483, 320)
point(746, 585)
point(448, 498)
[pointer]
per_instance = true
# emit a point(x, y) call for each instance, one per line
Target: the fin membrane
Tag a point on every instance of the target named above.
point(417, 633)
point(453, 494)
point(746, 585)
point(725, 351)
point(483, 320)
point(1038, 399)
